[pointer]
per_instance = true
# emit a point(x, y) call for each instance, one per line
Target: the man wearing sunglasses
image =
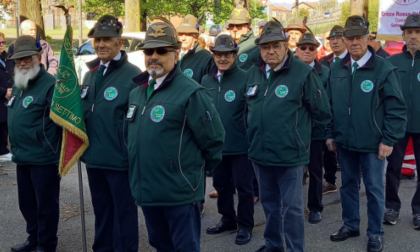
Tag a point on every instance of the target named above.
point(284, 96)
point(369, 116)
point(35, 143)
point(104, 95)
point(241, 32)
point(339, 51)
point(194, 61)
point(235, 171)
point(306, 51)
point(294, 29)
point(174, 136)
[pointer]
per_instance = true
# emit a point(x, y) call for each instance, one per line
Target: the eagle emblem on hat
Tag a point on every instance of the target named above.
point(237, 12)
point(158, 31)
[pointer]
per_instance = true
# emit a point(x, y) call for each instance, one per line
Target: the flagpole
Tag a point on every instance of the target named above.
point(82, 205)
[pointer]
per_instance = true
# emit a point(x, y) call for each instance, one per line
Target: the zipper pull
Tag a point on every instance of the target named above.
point(412, 64)
point(349, 110)
point(21, 92)
point(266, 91)
point(93, 105)
point(144, 108)
point(220, 88)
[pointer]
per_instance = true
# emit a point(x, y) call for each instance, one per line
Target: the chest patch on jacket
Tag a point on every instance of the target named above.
point(157, 114)
point(281, 91)
point(243, 57)
point(110, 93)
point(367, 86)
point(418, 76)
point(189, 72)
point(230, 96)
point(28, 100)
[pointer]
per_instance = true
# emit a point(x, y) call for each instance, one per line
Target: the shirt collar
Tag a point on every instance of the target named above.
point(341, 56)
point(267, 67)
point(118, 57)
point(362, 61)
point(158, 80)
point(312, 64)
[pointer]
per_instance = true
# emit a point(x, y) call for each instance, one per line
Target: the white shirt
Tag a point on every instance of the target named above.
point(267, 67)
point(312, 64)
point(362, 61)
point(218, 75)
point(341, 56)
point(158, 81)
point(118, 57)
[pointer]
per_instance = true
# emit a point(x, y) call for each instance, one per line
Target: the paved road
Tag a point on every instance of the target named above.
point(401, 237)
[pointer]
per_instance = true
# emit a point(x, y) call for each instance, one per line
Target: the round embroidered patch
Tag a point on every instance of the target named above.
point(110, 93)
point(243, 57)
point(418, 76)
point(281, 91)
point(367, 86)
point(157, 114)
point(230, 96)
point(28, 100)
point(189, 72)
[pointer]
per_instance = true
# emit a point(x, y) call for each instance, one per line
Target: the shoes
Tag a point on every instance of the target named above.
point(213, 194)
point(209, 173)
point(243, 236)
point(405, 177)
point(221, 227)
point(24, 247)
point(391, 216)
point(256, 199)
point(265, 249)
point(201, 209)
point(343, 234)
point(314, 217)
point(375, 244)
point(416, 221)
point(328, 188)
point(6, 157)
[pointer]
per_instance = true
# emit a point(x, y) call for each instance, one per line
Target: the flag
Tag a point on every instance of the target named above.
point(67, 110)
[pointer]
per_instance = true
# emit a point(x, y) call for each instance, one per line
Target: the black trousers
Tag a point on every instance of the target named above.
point(393, 173)
point(240, 169)
point(330, 165)
point(315, 176)
point(38, 194)
point(3, 138)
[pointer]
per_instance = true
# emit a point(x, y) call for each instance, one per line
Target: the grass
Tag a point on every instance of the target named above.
point(54, 43)
point(57, 32)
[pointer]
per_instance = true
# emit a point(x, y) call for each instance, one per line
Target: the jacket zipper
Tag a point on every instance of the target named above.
point(13, 117)
point(218, 96)
point(411, 87)
point(138, 137)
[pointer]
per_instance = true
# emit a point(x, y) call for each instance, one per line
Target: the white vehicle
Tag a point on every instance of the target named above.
point(86, 53)
point(327, 14)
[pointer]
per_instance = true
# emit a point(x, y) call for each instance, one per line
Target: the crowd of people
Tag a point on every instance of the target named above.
point(250, 111)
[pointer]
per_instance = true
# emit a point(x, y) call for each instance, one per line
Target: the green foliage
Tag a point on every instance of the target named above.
point(303, 13)
point(372, 17)
point(257, 11)
point(102, 7)
point(345, 12)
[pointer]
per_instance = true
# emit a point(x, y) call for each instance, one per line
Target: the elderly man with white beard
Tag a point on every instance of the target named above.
point(35, 143)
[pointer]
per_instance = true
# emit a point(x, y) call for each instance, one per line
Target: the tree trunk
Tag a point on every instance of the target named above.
point(31, 9)
point(132, 15)
point(359, 7)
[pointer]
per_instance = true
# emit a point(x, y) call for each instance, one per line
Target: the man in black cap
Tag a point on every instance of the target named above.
point(408, 63)
point(337, 46)
point(228, 82)
point(284, 95)
point(35, 143)
point(105, 93)
point(306, 51)
point(376, 44)
point(369, 116)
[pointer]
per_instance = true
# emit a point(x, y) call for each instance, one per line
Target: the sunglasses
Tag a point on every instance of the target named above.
point(220, 55)
point(160, 51)
point(3, 43)
point(311, 48)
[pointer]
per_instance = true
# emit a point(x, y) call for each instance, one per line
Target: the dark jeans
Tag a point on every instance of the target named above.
point(282, 187)
point(255, 185)
point(116, 218)
point(236, 169)
point(174, 228)
point(315, 176)
point(393, 173)
point(330, 165)
point(353, 164)
point(3, 137)
point(38, 194)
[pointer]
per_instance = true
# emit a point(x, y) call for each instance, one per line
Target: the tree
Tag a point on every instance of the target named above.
point(132, 15)
point(303, 12)
point(31, 9)
point(373, 13)
point(102, 7)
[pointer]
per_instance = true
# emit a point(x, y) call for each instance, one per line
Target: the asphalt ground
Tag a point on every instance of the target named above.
point(401, 237)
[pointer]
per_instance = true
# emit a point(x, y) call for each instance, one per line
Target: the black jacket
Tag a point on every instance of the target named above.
point(382, 53)
point(6, 73)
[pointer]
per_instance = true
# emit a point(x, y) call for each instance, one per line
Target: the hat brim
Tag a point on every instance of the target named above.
point(303, 30)
point(186, 29)
point(307, 42)
point(159, 43)
point(265, 39)
point(24, 54)
point(223, 49)
point(402, 27)
point(355, 32)
point(103, 34)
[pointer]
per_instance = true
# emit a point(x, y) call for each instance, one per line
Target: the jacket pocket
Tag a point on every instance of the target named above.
point(209, 127)
point(180, 180)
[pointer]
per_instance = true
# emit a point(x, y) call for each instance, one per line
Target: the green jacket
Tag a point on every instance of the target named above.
point(104, 108)
point(409, 71)
point(368, 110)
point(280, 114)
point(196, 63)
point(318, 130)
point(248, 52)
point(34, 137)
point(173, 138)
point(229, 99)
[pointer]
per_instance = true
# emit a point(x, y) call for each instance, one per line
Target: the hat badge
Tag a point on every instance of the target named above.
point(186, 20)
point(158, 31)
point(415, 18)
point(223, 41)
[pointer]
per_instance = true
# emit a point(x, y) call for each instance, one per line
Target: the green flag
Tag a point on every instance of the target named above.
point(67, 110)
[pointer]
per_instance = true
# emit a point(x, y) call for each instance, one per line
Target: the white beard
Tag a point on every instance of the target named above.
point(21, 79)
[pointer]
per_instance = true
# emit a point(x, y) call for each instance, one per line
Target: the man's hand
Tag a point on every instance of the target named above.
point(9, 93)
point(384, 151)
point(330, 144)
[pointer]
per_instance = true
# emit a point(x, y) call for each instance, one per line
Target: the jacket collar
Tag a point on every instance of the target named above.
point(244, 38)
point(318, 67)
point(329, 57)
point(233, 69)
point(261, 64)
point(94, 64)
point(3, 56)
point(369, 64)
point(193, 50)
point(408, 53)
point(143, 79)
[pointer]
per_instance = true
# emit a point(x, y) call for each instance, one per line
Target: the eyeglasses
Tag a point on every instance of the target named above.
point(237, 26)
point(3, 43)
point(160, 51)
point(275, 48)
point(26, 60)
point(311, 48)
point(220, 55)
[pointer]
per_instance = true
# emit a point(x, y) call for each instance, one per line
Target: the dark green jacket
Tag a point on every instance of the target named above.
point(248, 52)
point(196, 63)
point(368, 110)
point(318, 130)
point(229, 99)
point(104, 107)
point(34, 137)
point(173, 138)
point(280, 115)
point(409, 71)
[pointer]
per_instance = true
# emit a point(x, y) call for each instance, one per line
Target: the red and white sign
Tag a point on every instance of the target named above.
point(392, 14)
